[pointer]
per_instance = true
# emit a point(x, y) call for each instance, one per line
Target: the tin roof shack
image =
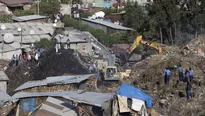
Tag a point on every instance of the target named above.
point(3, 81)
point(30, 18)
point(57, 83)
point(32, 102)
point(107, 27)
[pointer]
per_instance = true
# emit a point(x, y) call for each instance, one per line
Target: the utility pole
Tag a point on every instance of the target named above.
point(38, 6)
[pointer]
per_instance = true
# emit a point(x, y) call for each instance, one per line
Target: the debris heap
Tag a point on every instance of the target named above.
point(52, 64)
point(170, 99)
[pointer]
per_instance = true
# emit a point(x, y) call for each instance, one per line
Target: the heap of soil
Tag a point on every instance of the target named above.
point(52, 64)
point(170, 100)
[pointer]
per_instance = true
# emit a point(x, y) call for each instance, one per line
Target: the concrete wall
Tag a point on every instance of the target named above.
point(3, 85)
point(65, 9)
point(82, 48)
point(8, 55)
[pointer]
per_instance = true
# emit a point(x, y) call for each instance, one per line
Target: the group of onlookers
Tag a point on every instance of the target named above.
point(25, 59)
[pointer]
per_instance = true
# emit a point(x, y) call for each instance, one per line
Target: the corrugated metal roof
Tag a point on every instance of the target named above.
point(41, 30)
point(4, 97)
point(56, 107)
point(91, 98)
point(71, 38)
point(3, 76)
point(28, 17)
point(58, 80)
point(15, 2)
point(108, 24)
point(20, 95)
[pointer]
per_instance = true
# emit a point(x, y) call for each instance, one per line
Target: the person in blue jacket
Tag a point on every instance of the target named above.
point(167, 75)
point(180, 73)
point(191, 74)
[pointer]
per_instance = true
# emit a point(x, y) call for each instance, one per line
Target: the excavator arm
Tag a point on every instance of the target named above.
point(135, 44)
point(139, 40)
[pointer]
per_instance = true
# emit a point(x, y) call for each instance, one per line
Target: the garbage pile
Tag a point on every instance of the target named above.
point(170, 99)
point(50, 65)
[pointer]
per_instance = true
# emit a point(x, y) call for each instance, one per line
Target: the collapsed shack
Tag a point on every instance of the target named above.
point(131, 101)
point(57, 83)
point(83, 103)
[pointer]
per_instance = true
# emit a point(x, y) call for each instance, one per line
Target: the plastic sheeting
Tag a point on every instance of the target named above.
point(132, 92)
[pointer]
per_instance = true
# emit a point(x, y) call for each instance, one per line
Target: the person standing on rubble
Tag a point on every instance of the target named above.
point(29, 59)
point(17, 59)
point(13, 60)
point(191, 74)
point(180, 73)
point(186, 75)
point(36, 58)
point(20, 60)
point(188, 88)
point(167, 75)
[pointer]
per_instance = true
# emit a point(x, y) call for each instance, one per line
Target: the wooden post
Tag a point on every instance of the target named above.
point(161, 35)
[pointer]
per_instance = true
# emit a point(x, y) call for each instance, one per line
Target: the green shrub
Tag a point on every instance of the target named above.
point(23, 12)
point(4, 18)
point(44, 43)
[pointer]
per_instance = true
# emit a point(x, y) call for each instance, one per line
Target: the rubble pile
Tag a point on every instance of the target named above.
point(170, 99)
point(50, 65)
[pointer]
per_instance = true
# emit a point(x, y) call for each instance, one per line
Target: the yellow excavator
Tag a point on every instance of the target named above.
point(114, 73)
point(139, 40)
point(117, 73)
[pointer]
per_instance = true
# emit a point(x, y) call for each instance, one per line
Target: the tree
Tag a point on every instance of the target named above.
point(4, 18)
point(65, 1)
point(49, 7)
point(135, 16)
point(45, 44)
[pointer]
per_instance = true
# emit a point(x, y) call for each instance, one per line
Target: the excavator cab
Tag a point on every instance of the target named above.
point(111, 73)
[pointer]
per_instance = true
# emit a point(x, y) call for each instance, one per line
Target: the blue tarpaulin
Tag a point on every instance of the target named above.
point(132, 92)
point(28, 105)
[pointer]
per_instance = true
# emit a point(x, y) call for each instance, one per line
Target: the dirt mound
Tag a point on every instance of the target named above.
point(58, 64)
point(51, 64)
point(170, 100)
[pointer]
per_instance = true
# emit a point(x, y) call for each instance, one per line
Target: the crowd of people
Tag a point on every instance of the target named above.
point(26, 59)
point(186, 76)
